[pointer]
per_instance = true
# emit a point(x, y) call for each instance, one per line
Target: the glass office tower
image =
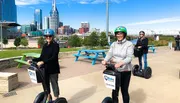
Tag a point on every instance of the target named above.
point(8, 10)
point(38, 18)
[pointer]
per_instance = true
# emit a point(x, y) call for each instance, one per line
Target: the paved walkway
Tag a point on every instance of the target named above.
point(81, 82)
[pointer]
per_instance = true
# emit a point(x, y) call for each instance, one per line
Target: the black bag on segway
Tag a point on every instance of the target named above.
point(138, 52)
point(34, 73)
point(111, 77)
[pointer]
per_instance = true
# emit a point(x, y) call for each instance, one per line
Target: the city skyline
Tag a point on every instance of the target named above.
point(135, 15)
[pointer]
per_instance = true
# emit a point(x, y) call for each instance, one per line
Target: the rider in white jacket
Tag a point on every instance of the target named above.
point(121, 53)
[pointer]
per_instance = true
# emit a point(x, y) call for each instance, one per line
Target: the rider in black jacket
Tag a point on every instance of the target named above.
point(142, 43)
point(49, 59)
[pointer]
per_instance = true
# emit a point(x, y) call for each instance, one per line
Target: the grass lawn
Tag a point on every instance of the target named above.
point(7, 53)
point(14, 53)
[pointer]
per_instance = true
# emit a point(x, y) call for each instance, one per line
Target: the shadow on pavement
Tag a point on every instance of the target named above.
point(138, 96)
point(82, 95)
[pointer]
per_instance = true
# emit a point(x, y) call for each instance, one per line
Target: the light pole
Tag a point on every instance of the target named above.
point(1, 37)
point(1, 1)
point(107, 20)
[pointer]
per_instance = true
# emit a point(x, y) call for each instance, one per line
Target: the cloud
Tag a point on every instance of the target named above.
point(31, 7)
point(30, 2)
point(35, 2)
point(157, 21)
point(98, 1)
point(61, 2)
point(83, 2)
point(104, 1)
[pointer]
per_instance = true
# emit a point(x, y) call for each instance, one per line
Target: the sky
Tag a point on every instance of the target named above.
point(135, 15)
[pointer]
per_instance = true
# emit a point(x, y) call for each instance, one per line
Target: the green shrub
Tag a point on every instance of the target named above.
point(41, 41)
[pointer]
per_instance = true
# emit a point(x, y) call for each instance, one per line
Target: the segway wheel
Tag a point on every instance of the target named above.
point(135, 69)
point(147, 73)
point(39, 98)
point(60, 100)
point(107, 100)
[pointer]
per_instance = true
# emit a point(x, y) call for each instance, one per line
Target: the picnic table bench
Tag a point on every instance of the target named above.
point(90, 54)
point(23, 59)
point(151, 47)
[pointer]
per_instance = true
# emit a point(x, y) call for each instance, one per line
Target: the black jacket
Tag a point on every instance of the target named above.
point(144, 43)
point(49, 55)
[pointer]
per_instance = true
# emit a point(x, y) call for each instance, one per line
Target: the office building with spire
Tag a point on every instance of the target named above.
point(54, 17)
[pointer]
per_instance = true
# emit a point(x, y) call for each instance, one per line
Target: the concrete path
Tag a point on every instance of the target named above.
point(81, 82)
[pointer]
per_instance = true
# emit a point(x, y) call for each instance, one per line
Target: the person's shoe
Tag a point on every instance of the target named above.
point(49, 101)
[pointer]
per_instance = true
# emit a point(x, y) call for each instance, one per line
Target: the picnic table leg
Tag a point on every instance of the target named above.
point(20, 64)
point(86, 53)
point(104, 55)
point(79, 52)
point(94, 60)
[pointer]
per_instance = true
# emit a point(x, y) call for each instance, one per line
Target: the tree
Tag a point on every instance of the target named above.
point(24, 42)
point(85, 41)
point(128, 38)
point(103, 39)
point(113, 38)
point(64, 38)
point(93, 39)
point(17, 41)
point(41, 41)
point(5, 41)
point(74, 41)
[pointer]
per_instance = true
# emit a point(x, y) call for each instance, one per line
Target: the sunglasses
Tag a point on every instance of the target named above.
point(141, 34)
point(48, 36)
point(118, 33)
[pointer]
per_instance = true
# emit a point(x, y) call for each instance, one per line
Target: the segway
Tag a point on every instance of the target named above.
point(111, 80)
point(37, 76)
point(136, 70)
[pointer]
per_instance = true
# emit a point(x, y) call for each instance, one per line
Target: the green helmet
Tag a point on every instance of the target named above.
point(121, 29)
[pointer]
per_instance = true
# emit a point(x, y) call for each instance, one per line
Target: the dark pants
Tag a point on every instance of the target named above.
point(53, 78)
point(125, 80)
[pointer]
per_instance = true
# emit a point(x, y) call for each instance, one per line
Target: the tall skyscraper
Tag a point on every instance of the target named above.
point(46, 22)
point(1, 8)
point(38, 18)
point(8, 10)
point(54, 17)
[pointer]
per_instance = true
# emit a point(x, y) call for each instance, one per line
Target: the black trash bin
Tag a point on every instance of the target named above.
point(177, 40)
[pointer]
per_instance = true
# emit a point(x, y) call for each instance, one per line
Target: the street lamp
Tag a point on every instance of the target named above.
point(1, 1)
point(1, 36)
point(107, 20)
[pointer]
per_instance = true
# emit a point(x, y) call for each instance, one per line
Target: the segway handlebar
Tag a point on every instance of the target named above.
point(33, 63)
point(110, 67)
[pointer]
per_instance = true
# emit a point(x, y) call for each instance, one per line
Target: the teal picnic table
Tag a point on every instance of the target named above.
point(90, 54)
point(23, 59)
point(151, 47)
